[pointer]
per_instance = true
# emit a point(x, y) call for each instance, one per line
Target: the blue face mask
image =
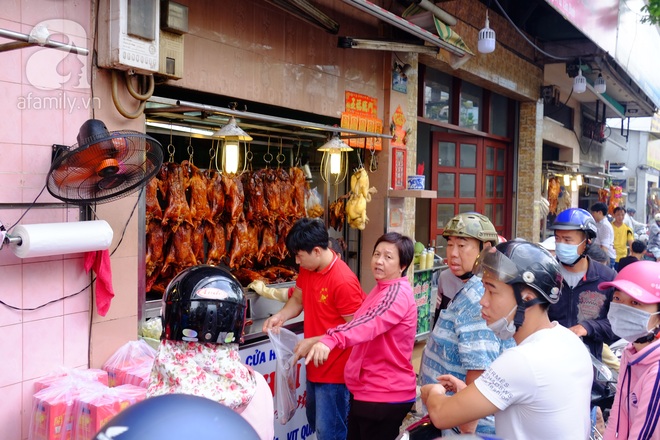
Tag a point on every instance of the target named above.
point(567, 253)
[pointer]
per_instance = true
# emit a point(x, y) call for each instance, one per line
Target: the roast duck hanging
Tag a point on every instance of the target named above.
point(206, 217)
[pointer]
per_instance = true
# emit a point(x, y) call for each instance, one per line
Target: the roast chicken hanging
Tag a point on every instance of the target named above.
point(356, 206)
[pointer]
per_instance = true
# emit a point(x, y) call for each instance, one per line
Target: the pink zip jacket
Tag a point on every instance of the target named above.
point(636, 407)
point(382, 334)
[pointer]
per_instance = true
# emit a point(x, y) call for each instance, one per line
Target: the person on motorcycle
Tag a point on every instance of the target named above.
point(582, 307)
point(461, 343)
point(526, 386)
point(638, 228)
point(635, 316)
point(654, 237)
point(203, 320)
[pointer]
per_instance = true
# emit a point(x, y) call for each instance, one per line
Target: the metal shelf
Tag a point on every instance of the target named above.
point(414, 193)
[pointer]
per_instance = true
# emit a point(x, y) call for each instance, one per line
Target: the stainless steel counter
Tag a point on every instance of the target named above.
point(260, 309)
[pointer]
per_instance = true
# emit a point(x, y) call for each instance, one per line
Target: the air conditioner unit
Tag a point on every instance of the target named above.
point(129, 34)
point(631, 185)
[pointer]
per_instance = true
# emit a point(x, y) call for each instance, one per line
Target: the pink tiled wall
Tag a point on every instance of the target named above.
point(34, 342)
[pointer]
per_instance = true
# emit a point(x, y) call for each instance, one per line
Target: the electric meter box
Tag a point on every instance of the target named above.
point(171, 55)
point(129, 33)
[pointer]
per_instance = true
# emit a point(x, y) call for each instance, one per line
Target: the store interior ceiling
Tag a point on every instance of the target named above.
point(184, 122)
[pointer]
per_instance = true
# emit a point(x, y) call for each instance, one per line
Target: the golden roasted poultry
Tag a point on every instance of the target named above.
point(253, 185)
point(337, 213)
point(356, 206)
point(215, 194)
point(200, 208)
point(553, 194)
point(153, 209)
point(213, 218)
point(177, 211)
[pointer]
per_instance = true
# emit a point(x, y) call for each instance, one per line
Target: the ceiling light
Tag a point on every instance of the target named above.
point(599, 85)
point(578, 179)
point(567, 180)
point(574, 186)
point(486, 42)
point(579, 82)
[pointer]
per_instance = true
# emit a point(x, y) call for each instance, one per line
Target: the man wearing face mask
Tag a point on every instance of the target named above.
point(582, 307)
point(539, 389)
point(635, 316)
point(461, 344)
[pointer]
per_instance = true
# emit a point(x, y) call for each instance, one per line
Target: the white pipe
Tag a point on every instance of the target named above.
point(433, 9)
point(17, 36)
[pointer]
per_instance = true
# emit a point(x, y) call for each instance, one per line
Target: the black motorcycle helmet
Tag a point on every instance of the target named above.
point(520, 263)
point(177, 417)
point(204, 304)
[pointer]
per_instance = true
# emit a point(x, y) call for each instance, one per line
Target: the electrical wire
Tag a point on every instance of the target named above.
point(34, 202)
point(562, 104)
point(522, 34)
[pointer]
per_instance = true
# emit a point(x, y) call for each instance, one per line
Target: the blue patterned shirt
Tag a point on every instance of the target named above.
point(462, 341)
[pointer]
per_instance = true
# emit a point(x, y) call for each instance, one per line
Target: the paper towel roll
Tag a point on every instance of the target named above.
point(40, 240)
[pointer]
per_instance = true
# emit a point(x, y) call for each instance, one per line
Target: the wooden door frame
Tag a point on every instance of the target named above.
point(482, 142)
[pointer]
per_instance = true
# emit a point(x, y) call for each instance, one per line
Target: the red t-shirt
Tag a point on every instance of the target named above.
point(329, 295)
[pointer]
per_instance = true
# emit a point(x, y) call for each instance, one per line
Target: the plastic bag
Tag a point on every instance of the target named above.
point(285, 374)
point(313, 203)
point(94, 407)
point(131, 363)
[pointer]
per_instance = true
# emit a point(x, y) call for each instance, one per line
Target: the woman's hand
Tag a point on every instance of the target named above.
point(318, 353)
point(302, 347)
point(451, 383)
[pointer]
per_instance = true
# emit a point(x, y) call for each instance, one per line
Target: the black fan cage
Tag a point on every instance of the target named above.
point(111, 168)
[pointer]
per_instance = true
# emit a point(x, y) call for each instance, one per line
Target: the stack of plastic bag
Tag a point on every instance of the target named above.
point(68, 374)
point(130, 364)
point(72, 404)
point(52, 411)
point(94, 407)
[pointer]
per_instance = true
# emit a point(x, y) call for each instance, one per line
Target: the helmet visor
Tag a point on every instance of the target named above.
point(494, 264)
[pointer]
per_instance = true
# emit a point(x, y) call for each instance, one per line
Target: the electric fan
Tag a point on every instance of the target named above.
point(103, 166)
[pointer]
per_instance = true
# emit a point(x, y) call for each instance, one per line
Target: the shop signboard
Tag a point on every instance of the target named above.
point(261, 357)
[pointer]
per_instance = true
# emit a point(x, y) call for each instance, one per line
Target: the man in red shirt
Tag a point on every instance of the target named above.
point(329, 293)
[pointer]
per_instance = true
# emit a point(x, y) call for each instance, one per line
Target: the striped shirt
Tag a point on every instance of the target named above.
point(462, 341)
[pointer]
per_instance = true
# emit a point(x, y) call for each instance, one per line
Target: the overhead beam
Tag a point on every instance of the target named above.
point(403, 24)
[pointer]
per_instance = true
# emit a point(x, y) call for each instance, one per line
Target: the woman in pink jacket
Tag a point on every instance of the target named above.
point(635, 316)
point(379, 373)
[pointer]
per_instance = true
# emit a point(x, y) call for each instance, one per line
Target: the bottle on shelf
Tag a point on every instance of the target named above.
point(430, 256)
point(422, 260)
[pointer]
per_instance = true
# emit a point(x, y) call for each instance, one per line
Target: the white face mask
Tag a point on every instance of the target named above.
point(502, 328)
point(628, 322)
